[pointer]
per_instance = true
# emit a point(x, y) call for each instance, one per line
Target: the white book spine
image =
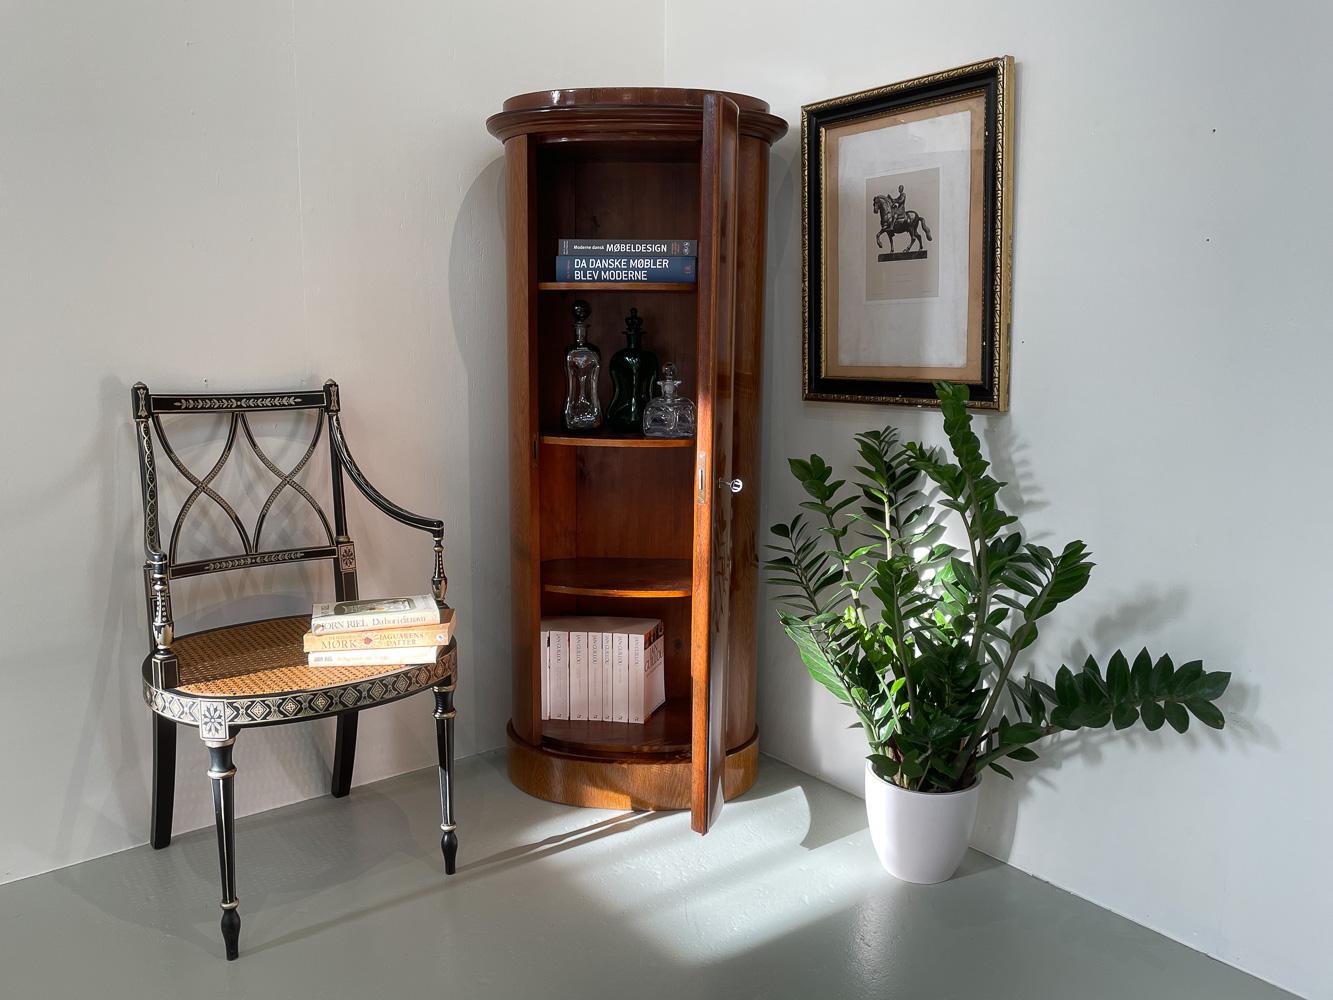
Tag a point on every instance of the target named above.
point(595, 676)
point(608, 682)
point(654, 683)
point(620, 678)
point(636, 672)
point(559, 675)
point(545, 643)
point(578, 676)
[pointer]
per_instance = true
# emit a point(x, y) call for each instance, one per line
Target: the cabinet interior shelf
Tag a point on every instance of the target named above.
point(667, 731)
point(616, 286)
point(610, 439)
point(597, 577)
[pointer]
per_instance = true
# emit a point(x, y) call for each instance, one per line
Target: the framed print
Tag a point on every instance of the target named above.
point(907, 208)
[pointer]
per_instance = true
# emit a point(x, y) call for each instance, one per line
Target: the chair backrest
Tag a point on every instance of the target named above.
point(162, 563)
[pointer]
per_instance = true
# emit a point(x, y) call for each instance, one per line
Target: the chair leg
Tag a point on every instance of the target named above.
point(164, 781)
point(344, 754)
point(444, 741)
point(223, 772)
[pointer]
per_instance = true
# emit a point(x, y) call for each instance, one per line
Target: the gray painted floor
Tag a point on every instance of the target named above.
point(783, 899)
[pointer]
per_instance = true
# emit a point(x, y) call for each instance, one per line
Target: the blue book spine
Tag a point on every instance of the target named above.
point(608, 248)
point(628, 269)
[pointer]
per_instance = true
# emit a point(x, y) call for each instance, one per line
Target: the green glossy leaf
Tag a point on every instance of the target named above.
point(1162, 675)
point(1209, 687)
point(1186, 676)
point(1206, 713)
point(1176, 716)
point(1153, 715)
point(1117, 677)
point(1123, 716)
point(1066, 689)
point(1141, 675)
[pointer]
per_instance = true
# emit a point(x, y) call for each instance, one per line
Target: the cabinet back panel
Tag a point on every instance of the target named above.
point(623, 503)
point(607, 199)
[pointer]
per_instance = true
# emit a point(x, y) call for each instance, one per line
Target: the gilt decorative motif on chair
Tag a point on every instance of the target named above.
point(255, 673)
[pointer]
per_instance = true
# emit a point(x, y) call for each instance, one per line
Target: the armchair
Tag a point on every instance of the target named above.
point(254, 673)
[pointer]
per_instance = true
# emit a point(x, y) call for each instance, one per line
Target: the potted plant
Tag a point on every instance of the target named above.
point(922, 639)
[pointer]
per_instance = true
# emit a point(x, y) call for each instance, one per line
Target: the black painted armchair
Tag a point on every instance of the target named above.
point(254, 673)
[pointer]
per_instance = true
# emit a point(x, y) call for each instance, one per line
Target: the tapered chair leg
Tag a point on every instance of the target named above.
point(223, 773)
point(444, 740)
point(164, 781)
point(344, 754)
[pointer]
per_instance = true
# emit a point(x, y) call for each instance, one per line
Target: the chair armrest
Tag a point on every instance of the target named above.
point(383, 503)
point(439, 582)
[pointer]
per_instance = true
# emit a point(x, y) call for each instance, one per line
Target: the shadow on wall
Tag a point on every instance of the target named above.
point(109, 781)
point(477, 306)
point(1146, 614)
point(114, 704)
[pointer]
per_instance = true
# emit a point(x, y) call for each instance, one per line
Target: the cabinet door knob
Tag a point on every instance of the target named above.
point(735, 485)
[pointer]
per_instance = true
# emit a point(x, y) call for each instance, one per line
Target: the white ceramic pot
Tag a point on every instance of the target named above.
point(919, 836)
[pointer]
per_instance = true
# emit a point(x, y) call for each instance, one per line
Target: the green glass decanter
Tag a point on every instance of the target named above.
point(633, 372)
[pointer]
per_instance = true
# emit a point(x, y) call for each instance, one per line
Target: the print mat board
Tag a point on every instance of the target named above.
point(906, 208)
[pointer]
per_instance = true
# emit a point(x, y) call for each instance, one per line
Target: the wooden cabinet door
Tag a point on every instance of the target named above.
point(713, 460)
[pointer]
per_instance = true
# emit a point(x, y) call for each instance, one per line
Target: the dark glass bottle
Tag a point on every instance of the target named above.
point(633, 372)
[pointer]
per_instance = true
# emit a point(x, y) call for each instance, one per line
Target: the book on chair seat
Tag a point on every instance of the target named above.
point(385, 638)
point(374, 657)
point(379, 613)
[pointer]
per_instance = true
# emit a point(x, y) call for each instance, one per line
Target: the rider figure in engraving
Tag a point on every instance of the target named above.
point(898, 206)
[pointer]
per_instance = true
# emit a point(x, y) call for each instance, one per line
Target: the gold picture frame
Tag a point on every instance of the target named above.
point(880, 327)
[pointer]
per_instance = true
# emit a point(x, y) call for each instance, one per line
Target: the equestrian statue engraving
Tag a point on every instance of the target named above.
point(894, 217)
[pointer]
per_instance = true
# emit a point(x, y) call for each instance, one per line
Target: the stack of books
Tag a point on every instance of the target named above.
point(602, 669)
point(383, 632)
point(626, 261)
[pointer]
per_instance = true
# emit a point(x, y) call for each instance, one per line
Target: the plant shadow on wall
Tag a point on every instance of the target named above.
point(922, 640)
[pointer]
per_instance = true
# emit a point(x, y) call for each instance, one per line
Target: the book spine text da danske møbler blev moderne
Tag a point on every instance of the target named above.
point(629, 269)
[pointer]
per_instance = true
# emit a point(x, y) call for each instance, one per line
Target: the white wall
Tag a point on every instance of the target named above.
point(1171, 348)
point(266, 195)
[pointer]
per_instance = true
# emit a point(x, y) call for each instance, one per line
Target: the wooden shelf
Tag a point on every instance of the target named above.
point(667, 731)
point(616, 286)
point(619, 577)
point(611, 439)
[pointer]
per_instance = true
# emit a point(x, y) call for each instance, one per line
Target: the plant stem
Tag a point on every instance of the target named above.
point(848, 580)
point(983, 720)
point(978, 547)
point(897, 610)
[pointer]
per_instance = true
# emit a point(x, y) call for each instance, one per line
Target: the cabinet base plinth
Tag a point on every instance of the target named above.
point(642, 782)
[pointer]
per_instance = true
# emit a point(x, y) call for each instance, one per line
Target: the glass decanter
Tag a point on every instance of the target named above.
point(669, 415)
point(633, 372)
point(583, 365)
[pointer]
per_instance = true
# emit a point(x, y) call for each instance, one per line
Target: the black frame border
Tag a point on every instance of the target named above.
point(994, 78)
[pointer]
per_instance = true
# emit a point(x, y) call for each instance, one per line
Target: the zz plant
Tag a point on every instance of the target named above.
point(922, 639)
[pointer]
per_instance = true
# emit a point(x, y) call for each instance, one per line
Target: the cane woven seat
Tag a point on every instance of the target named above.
point(259, 658)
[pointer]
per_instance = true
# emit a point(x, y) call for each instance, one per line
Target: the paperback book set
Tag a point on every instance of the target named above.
point(626, 261)
point(602, 669)
point(385, 631)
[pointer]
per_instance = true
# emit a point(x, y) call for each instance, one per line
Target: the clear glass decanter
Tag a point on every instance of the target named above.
point(669, 415)
point(583, 364)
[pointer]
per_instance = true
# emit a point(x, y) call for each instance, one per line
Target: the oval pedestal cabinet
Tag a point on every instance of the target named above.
point(608, 522)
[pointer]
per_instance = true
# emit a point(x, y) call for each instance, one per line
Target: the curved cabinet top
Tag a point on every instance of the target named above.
point(644, 112)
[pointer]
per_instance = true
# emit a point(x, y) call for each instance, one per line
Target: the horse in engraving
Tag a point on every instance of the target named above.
point(894, 217)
